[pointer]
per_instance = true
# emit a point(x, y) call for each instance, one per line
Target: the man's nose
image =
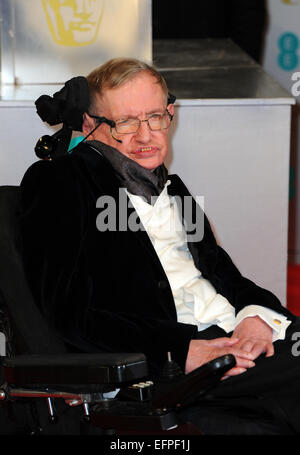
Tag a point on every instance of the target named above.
point(143, 134)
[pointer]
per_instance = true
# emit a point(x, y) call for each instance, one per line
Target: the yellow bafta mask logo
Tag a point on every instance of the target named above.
point(74, 22)
point(291, 2)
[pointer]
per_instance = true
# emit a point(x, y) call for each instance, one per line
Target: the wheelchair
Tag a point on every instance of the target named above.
point(44, 389)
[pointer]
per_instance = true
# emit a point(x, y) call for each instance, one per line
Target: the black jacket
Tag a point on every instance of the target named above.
point(107, 291)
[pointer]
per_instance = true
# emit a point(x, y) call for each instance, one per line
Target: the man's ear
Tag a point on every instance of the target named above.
point(170, 108)
point(88, 124)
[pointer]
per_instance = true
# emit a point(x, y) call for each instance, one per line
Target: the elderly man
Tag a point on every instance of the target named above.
point(147, 286)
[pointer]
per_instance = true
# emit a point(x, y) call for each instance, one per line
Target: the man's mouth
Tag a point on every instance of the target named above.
point(145, 151)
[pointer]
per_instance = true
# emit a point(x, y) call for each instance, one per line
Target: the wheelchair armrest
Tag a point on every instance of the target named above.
point(154, 410)
point(72, 369)
point(159, 414)
point(194, 384)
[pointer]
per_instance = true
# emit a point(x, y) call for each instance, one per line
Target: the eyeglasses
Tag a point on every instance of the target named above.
point(156, 122)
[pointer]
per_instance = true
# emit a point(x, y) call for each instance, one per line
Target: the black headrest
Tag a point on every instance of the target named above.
point(66, 106)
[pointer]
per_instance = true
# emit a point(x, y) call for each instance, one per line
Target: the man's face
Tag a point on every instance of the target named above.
point(74, 22)
point(138, 98)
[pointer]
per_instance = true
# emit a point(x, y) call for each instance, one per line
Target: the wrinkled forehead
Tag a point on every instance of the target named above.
point(140, 95)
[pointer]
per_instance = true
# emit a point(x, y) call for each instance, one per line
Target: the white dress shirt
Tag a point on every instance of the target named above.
point(196, 300)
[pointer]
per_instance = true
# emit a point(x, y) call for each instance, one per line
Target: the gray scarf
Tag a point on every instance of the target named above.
point(135, 178)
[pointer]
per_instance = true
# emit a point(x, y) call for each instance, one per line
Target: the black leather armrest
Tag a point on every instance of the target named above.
point(74, 369)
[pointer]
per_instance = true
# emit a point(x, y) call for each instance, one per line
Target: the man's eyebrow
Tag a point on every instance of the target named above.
point(156, 111)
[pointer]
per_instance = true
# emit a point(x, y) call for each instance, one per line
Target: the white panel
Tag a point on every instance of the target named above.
point(20, 128)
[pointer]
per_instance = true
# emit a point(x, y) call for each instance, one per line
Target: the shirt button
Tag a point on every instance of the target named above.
point(277, 321)
point(162, 284)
